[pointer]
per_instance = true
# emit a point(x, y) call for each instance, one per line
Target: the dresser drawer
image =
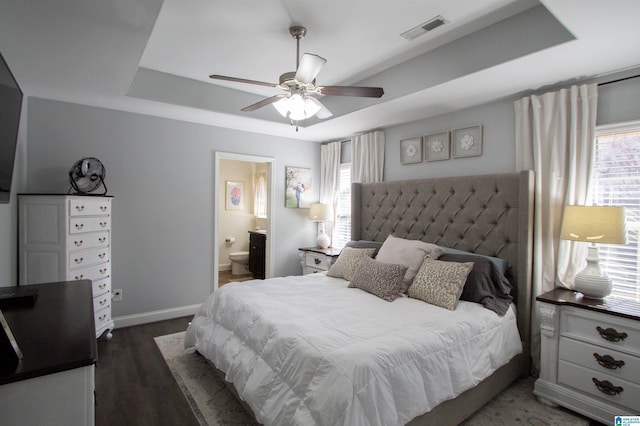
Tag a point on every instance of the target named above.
point(102, 318)
point(101, 286)
point(88, 240)
point(96, 272)
point(614, 363)
point(582, 379)
point(80, 259)
point(89, 206)
point(604, 330)
point(101, 302)
point(317, 261)
point(89, 224)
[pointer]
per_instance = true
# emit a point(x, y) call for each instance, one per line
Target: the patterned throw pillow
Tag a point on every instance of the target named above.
point(440, 283)
point(348, 261)
point(380, 279)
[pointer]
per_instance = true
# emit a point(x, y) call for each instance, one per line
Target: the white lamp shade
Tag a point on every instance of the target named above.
point(594, 224)
point(320, 212)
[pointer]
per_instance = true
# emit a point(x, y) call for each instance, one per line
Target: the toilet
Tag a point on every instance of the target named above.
point(239, 262)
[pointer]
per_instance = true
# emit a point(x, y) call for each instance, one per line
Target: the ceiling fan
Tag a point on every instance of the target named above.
point(299, 102)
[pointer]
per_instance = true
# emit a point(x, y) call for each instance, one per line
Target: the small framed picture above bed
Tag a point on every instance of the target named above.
point(234, 195)
point(437, 146)
point(411, 151)
point(467, 142)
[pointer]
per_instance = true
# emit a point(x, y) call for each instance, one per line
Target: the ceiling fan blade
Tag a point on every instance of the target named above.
point(241, 80)
point(310, 66)
point(365, 92)
point(323, 112)
point(264, 102)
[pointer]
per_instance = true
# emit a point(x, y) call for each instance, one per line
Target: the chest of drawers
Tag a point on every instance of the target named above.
point(64, 238)
point(316, 259)
point(590, 354)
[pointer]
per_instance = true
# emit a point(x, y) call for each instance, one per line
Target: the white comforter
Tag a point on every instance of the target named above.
point(307, 350)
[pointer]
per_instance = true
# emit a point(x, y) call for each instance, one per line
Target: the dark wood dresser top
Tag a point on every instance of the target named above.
point(611, 305)
point(55, 333)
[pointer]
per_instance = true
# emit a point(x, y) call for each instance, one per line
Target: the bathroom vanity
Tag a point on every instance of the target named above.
point(257, 253)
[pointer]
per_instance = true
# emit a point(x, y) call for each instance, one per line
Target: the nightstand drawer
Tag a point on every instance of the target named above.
point(319, 261)
point(603, 386)
point(599, 359)
point(604, 330)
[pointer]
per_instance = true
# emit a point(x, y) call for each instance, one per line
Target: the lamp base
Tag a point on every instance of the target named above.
point(322, 240)
point(591, 282)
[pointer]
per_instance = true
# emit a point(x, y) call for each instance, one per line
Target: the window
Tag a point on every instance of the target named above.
point(343, 210)
point(260, 195)
point(615, 180)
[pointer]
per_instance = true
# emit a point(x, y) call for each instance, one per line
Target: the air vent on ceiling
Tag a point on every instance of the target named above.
point(430, 25)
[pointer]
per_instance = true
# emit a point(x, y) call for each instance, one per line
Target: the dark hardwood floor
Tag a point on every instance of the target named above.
point(133, 383)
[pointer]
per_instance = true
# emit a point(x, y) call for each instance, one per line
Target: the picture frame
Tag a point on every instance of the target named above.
point(411, 151)
point(234, 195)
point(467, 142)
point(298, 190)
point(437, 146)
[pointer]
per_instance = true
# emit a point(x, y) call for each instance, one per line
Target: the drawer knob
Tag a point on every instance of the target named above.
point(79, 277)
point(78, 243)
point(102, 255)
point(316, 260)
point(103, 224)
point(102, 239)
point(78, 261)
point(102, 286)
point(607, 387)
point(102, 271)
point(607, 361)
point(103, 208)
point(611, 334)
point(79, 208)
point(79, 225)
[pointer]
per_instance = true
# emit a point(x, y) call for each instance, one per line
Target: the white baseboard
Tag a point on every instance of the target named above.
point(153, 316)
point(224, 266)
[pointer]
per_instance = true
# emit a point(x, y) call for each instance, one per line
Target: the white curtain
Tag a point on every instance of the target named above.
point(367, 157)
point(554, 137)
point(330, 180)
point(260, 195)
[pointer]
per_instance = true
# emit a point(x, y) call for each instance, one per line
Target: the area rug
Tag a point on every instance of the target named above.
point(213, 404)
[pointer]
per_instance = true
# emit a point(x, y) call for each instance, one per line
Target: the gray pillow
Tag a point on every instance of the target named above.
point(410, 253)
point(348, 261)
point(502, 264)
point(380, 279)
point(440, 283)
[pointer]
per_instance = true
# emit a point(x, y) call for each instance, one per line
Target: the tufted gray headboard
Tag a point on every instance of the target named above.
point(486, 214)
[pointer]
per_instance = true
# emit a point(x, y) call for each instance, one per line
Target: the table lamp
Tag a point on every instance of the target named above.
point(594, 224)
point(320, 213)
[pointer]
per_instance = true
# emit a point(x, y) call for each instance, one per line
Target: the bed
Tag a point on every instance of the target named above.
point(312, 350)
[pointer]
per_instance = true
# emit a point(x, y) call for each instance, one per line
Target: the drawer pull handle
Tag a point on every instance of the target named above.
point(102, 317)
point(80, 208)
point(103, 224)
point(607, 387)
point(607, 361)
point(102, 286)
point(102, 239)
point(79, 225)
point(78, 243)
point(78, 261)
point(102, 271)
point(102, 255)
point(103, 301)
point(79, 277)
point(611, 334)
point(316, 260)
point(103, 208)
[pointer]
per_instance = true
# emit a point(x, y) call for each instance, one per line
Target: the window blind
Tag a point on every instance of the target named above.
point(343, 210)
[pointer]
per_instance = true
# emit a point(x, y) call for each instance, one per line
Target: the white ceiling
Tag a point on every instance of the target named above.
point(154, 56)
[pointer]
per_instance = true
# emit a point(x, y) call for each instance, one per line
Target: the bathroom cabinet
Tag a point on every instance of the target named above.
point(257, 253)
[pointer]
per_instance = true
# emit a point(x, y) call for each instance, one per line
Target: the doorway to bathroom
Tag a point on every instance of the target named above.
point(243, 209)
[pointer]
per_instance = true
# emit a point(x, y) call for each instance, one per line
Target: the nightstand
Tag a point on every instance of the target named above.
point(316, 259)
point(589, 354)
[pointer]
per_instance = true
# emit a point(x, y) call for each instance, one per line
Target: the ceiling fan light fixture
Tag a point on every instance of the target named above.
point(297, 107)
point(282, 106)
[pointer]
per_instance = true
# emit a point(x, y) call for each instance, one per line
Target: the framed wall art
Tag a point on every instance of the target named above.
point(411, 151)
point(297, 193)
point(234, 195)
point(437, 146)
point(467, 142)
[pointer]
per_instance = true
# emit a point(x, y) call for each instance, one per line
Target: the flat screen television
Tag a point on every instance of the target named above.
point(10, 107)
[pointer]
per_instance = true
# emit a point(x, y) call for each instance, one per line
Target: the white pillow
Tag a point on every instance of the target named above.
point(410, 253)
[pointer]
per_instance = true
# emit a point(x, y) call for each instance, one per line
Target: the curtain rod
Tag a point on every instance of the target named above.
point(618, 80)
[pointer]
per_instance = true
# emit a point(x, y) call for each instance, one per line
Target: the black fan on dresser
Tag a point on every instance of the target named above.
point(86, 175)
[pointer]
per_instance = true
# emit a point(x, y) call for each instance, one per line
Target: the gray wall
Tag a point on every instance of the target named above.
point(160, 172)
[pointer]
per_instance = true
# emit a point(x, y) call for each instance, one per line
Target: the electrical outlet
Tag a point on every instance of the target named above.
point(117, 295)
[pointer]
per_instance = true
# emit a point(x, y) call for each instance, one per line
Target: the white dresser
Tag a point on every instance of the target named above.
point(590, 354)
point(316, 259)
point(68, 237)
